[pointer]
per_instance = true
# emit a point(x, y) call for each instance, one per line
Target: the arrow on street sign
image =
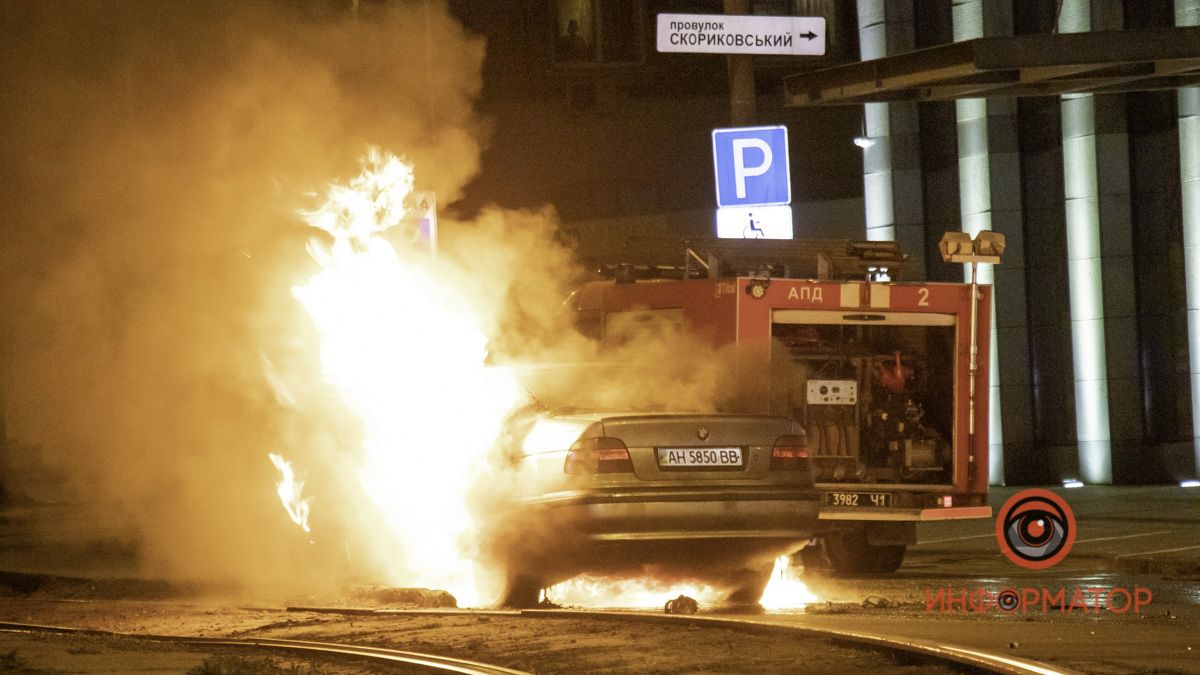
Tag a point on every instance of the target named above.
point(741, 34)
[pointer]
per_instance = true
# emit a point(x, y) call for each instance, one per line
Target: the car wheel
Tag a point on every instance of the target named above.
point(520, 591)
point(747, 588)
point(850, 553)
point(811, 557)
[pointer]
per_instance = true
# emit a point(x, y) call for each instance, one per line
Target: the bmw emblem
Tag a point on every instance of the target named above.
point(702, 433)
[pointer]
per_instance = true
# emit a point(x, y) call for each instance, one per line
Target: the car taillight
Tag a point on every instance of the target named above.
point(788, 454)
point(598, 455)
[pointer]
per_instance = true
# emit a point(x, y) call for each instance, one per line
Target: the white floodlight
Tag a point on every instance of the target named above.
point(959, 247)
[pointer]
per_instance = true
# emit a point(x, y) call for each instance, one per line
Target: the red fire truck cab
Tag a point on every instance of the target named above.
point(878, 372)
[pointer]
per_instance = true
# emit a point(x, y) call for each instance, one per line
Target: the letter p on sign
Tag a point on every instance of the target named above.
point(740, 170)
point(751, 166)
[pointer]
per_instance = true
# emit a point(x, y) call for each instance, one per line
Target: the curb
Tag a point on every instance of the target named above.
point(1171, 568)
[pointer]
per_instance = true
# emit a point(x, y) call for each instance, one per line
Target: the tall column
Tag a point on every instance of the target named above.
point(1040, 122)
point(990, 199)
point(1087, 301)
point(892, 163)
point(1100, 261)
point(1161, 288)
point(1187, 13)
point(1119, 278)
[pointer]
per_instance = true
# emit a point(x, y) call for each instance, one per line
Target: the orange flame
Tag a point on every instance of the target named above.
point(289, 490)
point(405, 351)
point(642, 593)
point(786, 590)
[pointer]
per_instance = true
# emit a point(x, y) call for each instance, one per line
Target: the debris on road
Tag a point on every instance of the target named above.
point(413, 597)
point(878, 602)
point(681, 605)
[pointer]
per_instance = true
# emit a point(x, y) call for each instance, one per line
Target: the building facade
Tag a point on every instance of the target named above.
point(1096, 337)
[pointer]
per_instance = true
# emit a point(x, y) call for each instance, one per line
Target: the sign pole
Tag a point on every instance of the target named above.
point(742, 103)
point(974, 369)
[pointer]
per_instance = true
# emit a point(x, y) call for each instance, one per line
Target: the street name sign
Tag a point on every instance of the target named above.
point(741, 34)
point(751, 166)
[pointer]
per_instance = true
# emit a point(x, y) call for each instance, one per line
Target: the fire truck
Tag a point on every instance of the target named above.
point(882, 374)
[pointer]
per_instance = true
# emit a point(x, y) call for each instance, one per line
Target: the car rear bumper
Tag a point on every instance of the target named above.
point(651, 515)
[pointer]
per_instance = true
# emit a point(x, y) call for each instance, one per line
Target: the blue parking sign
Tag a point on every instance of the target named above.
point(751, 166)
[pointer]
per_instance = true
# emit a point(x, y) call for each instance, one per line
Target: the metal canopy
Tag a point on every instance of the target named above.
point(1046, 64)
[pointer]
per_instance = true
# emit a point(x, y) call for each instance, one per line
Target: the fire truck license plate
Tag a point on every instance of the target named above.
point(852, 499)
point(689, 458)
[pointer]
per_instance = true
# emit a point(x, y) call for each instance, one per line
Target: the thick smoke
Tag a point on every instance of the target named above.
point(155, 156)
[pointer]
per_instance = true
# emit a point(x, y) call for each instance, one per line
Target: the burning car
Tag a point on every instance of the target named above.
point(706, 496)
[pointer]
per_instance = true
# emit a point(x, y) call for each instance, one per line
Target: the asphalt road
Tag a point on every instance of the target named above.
point(1128, 538)
point(1145, 540)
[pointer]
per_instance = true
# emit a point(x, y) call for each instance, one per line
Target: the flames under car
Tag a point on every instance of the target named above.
point(713, 497)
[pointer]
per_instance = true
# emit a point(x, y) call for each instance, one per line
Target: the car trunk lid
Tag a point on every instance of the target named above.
point(699, 447)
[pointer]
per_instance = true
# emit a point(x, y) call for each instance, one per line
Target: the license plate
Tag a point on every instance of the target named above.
point(857, 499)
point(698, 458)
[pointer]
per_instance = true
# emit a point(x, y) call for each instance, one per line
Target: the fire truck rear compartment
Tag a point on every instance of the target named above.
point(874, 391)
